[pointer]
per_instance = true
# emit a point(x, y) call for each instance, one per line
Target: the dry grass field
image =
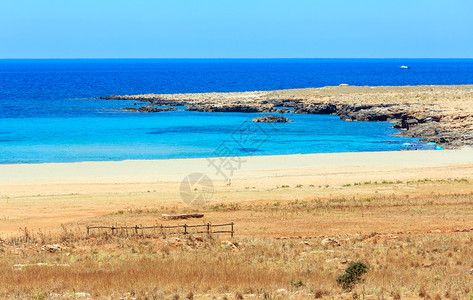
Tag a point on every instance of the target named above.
point(291, 242)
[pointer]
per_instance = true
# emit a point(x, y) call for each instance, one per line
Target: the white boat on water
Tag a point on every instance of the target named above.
point(404, 67)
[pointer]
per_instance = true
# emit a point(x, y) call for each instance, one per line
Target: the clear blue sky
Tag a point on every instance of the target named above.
point(235, 28)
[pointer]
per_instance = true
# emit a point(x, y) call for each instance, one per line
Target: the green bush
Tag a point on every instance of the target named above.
point(352, 275)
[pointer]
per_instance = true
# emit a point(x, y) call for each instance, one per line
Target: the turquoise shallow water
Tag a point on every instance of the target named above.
point(48, 114)
point(180, 134)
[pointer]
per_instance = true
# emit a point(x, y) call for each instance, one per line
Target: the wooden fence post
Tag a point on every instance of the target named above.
point(87, 229)
point(136, 229)
point(208, 228)
point(185, 228)
point(232, 229)
point(113, 229)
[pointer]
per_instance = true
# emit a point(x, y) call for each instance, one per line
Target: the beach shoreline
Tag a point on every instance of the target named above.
point(173, 170)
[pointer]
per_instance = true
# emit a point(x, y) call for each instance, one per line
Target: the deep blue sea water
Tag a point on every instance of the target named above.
point(47, 113)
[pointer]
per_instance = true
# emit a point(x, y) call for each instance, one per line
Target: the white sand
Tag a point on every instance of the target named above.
point(172, 170)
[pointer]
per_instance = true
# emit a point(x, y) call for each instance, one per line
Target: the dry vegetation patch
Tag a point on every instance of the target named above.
point(415, 246)
point(102, 265)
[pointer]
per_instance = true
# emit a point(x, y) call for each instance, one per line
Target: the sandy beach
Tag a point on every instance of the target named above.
point(332, 167)
point(46, 195)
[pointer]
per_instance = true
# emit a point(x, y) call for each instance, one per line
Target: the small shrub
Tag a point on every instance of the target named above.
point(396, 295)
point(267, 296)
point(422, 292)
point(297, 284)
point(318, 294)
point(352, 275)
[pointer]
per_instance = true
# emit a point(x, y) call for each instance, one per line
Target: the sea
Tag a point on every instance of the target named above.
point(49, 111)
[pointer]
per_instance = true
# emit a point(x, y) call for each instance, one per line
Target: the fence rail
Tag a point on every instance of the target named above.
point(207, 228)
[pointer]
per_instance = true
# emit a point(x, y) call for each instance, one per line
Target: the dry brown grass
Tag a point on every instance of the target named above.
point(319, 215)
point(405, 265)
point(414, 246)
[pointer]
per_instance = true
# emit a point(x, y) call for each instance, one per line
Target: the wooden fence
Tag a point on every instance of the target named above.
point(204, 228)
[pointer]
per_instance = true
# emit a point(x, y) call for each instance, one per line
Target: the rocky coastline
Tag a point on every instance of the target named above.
point(148, 109)
point(439, 114)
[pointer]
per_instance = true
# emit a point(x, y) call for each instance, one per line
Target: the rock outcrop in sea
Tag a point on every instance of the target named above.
point(271, 119)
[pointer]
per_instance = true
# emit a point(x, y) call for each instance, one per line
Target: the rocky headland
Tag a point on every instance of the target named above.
point(440, 114)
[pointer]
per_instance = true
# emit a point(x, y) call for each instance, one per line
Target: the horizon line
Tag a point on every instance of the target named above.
point(39, 58)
